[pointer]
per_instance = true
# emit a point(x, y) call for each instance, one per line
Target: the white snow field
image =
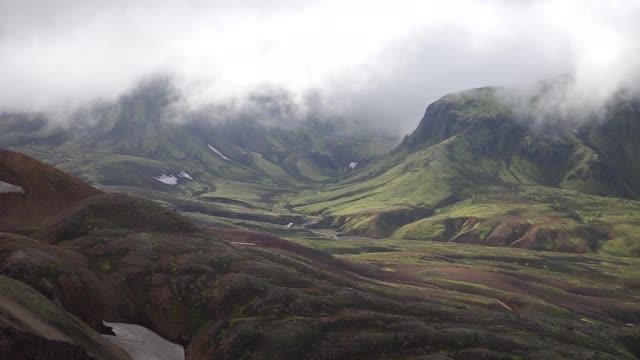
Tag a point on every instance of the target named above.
point(167, 179)
point(185, 175)
point(143, 344)
point(6, 188)
point(217, 152)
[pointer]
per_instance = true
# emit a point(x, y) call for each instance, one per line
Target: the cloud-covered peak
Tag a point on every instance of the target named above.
point(375, 61)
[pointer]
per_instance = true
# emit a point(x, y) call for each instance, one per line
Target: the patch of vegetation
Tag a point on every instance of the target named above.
point(104, 265)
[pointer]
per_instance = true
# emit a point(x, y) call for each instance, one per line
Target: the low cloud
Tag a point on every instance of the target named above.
point(374, 62)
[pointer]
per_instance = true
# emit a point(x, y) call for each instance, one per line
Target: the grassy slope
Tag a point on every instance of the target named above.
point(487, 178)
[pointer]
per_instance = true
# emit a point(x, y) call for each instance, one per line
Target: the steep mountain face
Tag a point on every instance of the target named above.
point(475, 171)
point(31, 192)
point(592, 155)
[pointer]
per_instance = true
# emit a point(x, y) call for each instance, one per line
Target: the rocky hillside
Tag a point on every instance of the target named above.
point(34, 327)
point(31, 191)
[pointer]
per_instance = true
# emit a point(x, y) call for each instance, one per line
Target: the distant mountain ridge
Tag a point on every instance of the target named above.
point(473, 171)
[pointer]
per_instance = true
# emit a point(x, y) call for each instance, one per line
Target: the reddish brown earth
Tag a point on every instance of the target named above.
point(47, 191)
point(318, 258)
point(520, 291)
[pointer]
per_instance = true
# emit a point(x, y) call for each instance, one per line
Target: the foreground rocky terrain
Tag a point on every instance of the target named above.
point(229, 294)
point(476, 170)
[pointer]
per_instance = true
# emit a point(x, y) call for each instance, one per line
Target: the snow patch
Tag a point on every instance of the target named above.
point(6, 188)
point(143, 344)
point(352, 165)
point(185, 175)
point(290, 225)
point(217, 152)
point(167, 179)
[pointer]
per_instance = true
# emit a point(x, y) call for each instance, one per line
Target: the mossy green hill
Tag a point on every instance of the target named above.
point(475, 171)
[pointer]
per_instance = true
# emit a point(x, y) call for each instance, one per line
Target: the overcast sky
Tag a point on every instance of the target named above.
point(382, 61)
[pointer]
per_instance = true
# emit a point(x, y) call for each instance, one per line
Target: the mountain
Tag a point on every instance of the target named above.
point(148, 139)
point(237, 294)
point(476, 171)
point(31, 191)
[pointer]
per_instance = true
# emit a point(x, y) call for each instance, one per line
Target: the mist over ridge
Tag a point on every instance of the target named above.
point(377, 62)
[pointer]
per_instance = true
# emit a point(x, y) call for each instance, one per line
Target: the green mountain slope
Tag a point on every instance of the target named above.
point(476, 172)
point(145, 137)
